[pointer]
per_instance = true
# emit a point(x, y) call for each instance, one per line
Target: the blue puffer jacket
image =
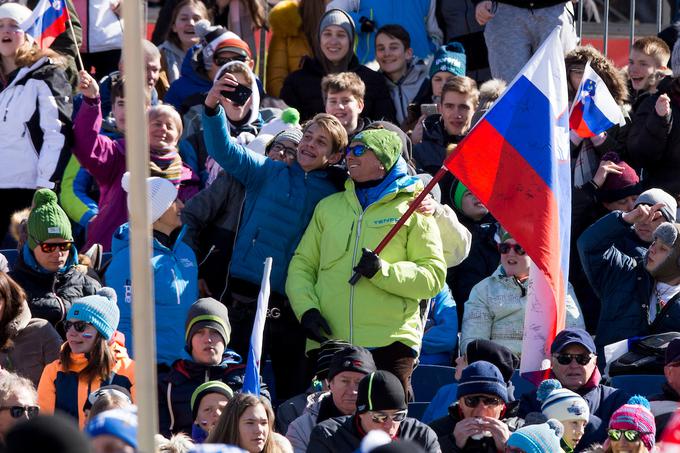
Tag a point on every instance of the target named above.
point(190, 80)
point(280, 201)
point(441, 330)
point(175, 289)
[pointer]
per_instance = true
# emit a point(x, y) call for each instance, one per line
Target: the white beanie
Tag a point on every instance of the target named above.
point(162, 193)
point(560, 403)
point(287, 121)
point(19, 13)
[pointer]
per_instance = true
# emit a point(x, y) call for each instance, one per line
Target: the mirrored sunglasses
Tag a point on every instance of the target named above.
point(357, 150)
point(51, 247)
point(629, 434)
point(380, 417)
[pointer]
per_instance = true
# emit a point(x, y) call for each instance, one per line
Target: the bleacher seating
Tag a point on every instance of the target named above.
point(427, 379)
point(417, 409)
point(642, 384)
point(522, 386)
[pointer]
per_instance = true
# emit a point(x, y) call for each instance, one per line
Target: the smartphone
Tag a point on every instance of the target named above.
point(239, 96)
point(428, 109)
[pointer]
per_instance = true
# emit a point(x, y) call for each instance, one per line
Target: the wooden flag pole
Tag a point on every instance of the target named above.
point(75, 40)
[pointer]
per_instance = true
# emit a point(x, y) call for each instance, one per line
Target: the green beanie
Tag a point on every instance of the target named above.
point(386, 145)
point(206, 388)
point(458, 196)
point(47, 220)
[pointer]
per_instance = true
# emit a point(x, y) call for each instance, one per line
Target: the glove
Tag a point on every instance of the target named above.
point(313, 323)
point(369, 264)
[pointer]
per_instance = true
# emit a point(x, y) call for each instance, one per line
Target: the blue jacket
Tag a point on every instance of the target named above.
point(280, 201)
point(441, 330)
point(190, 80)
point(175, 289)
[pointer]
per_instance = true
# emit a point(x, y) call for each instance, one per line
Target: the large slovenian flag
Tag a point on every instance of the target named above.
point(516, 161)
point(47, 21)
point(594, 109)
point(251, 380)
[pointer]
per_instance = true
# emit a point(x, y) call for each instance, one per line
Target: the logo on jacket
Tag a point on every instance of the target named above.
point(385, 221)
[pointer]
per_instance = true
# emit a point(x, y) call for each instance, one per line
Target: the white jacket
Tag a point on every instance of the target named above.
point(35, 110)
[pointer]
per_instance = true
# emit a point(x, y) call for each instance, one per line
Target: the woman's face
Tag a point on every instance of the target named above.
point(80, 342)
point(184, 25)
point(514, 263)
point(253, 429)
point(334, 43)
point(11, 37)
point(163, 132)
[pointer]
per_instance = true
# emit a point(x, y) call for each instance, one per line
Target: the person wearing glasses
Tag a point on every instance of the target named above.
point(18, 401)
point(631, 428)
point(381, 405)
point(574, 365)
point(479, 420)
point(495, 309)
point(47, 267)
point(89, 358)
point(381, 312)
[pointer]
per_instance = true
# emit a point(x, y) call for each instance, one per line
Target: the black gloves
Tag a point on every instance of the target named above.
point(313, 323)
point(369, 264)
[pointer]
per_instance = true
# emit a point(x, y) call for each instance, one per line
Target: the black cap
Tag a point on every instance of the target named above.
point(351, 358)
point(490, 351)
point(326, 352)
point(380, 391)
point(673, 351)
point(54, 433)
point(572, 335)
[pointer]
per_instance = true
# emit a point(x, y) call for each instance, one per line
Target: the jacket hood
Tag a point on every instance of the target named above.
point(29, 260)
point(191, 369)
point(254, 113)
point(171, 48)
point(414, 74)
point(192, 61)
point(285, 19)
point(314, 400)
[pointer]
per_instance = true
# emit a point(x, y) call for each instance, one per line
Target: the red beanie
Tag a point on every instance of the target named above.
point(616, 187)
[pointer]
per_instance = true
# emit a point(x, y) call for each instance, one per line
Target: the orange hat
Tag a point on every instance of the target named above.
point(234, 44)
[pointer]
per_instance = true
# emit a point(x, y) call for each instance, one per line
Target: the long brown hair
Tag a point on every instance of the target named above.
point(100, 360)
point(311, 12)
point(172, 35)
point(13, 297)
point(227, 428)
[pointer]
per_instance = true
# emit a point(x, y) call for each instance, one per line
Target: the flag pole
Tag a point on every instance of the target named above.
point(402, 220)
point(75, 40)
point(137, 159)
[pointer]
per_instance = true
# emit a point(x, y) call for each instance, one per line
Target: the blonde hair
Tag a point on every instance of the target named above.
point(159, 110)
point(654, 47)
point(333, 127)
point(236, 67)
point(179, 443)
point(462, 85)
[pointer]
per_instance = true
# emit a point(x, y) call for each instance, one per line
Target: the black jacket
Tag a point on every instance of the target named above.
point(343, 435)
point(302, 90)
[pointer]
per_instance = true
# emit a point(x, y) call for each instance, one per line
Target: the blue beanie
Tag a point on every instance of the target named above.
point(542, 438)
point(482, 378)
point(449, 58)
point(100, 310)
point(120, 423)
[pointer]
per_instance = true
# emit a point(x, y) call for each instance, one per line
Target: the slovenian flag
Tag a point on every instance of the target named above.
point(251, 380)
point(47, 21)
point(594, 109)
point(516, 161)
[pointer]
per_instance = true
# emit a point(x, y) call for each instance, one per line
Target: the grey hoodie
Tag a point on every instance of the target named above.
point(404, 90)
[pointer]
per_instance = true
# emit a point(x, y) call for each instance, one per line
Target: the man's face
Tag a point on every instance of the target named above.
point(344, 387)
point(345, 107)
point(672, 373)
point(153, 71)
point(118, 112)
point(573, 375)
point(641, 70)
point(20, 397)
point(315, 150)
point(657, 253)
point(207, 346)
point(481, 405)
point(391, 56)
point(645, 229)
point(210, 409)
point(52, 257)
point(382, 420)
point(624, 204)
point(365, 167)
point(456, 110)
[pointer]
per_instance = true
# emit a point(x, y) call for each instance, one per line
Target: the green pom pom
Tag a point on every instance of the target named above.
point(290, 116)
point(44, 196)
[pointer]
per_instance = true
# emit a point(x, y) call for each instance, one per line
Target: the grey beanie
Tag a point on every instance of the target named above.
point(207, 312)
point(341, 19)
point(653, 196)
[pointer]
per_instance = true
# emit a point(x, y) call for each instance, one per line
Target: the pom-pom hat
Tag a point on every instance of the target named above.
point(560, 403)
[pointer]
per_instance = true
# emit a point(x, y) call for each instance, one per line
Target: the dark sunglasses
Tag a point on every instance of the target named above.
point(490, 401)
point(51, 247)
point(630, 434)
point(566, 359)
point(379, 417)
point(19, 411)
point(504, 248)
point(80, 326)
point(224, 60)
point(357, 150)
point(278, 147)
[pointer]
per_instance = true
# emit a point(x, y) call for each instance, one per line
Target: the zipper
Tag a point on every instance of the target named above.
point(351, 288)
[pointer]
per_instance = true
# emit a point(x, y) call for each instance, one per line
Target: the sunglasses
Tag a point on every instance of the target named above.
point(19, 411)
point(51, 247)
point(489, 401)
point(504, 248)
point(379, 417)
point(357, 150)
point(80, 326)
point(224, 60)
point(629, 434)
point(566, 359)
point(278, 147)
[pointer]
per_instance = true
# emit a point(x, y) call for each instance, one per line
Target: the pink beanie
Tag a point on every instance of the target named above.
point(635, 415)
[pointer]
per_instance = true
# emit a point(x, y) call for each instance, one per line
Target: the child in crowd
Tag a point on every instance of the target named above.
point(568, 408)
point(343, 95)
point(113, 430)
point(88, 359)
point(207, 404)
point(647, 67)
point(632, 428)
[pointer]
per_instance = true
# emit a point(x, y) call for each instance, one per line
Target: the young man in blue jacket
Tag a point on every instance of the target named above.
point(279, 203)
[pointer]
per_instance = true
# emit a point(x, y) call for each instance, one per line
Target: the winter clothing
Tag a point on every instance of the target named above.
point(495, 311)
point(43, 433)
point(36, 126)
point(560, 403)
point(285, 126)
point(636, 415)
point(205, 389)
point(50, 294)
point(302, 90)
point(67, 390)
point(570, 336)
point(75, 194)
point(492, 352)
point(100, 310)
point(412, 266)
point(288, 44)
point(456, 239)
point(275, 194)
point(300, 429)
point(482, 377)
point(618, 186)
point(351, 358)
point(171, 59)
point(344, 434)
point(47, 220)
point(102, 28)
point(338, 18)
point(441, 330)
point(175, 289)
point(18, 13)
point(404, 90)
point(540, 438)
point(161, 194)
point(459, 24)
point(207, 312)
point(385, 144)
point(449, 58)
point(380, 391)
point(119, 423)
point(176, 387)
point(650, 197)
point(193, 80)
point(291, 409)
point(29, 344)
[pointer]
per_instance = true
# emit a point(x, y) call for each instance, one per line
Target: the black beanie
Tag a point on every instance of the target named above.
point(399, 446)
point(489, 351)
point(380, 391)
point(207, 312)
point(326, 352)
point(54, 433)
point(352, 358)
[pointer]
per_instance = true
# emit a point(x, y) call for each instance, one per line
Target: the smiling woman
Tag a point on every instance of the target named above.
point(247, 421)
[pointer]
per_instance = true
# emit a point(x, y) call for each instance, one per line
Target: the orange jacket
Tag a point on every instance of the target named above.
point(67, 390)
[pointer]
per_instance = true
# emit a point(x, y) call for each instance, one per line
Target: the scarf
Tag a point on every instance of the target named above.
point(166, 163)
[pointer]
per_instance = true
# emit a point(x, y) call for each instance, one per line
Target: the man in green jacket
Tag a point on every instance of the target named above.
point(381, 312)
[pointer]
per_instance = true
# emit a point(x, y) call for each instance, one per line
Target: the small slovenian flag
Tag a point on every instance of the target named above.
point(47, 21)
point(594, 109)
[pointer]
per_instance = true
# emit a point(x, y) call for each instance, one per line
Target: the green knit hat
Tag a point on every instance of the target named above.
point(458, 196)
point(206, 388)
point(386, 145)
point(47, 220)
